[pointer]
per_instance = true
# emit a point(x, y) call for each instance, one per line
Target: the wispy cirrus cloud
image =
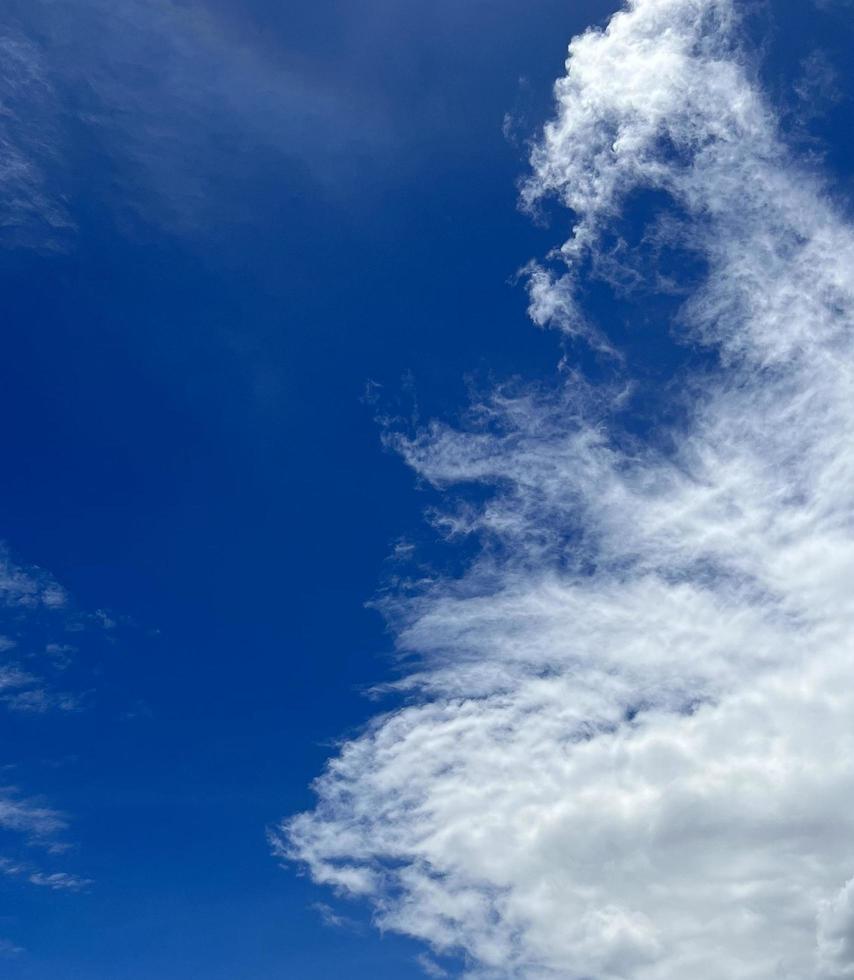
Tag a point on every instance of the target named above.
point(628, 748)
point(28, 817)
point(33, 607)
point(36, 618)
point(32, 214)
point(168, 103)
point(58, 881)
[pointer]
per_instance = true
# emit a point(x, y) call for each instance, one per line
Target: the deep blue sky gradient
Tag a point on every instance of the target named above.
point(187, 442)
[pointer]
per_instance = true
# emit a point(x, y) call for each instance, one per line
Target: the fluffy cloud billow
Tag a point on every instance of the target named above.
point(627, 750)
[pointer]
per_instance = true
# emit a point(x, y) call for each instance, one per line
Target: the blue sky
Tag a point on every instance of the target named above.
point(242, 241)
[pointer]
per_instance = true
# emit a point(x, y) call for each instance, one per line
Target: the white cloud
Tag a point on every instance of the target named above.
point(26, 596)
point(430, 967)
point(58, 881)
point(28, 817)
point(29, 588)
point(334, 920)
point(33, 609)
point(38, 700)
point(629, 747)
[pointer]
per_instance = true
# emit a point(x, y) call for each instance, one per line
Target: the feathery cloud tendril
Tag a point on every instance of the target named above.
point(629, 751)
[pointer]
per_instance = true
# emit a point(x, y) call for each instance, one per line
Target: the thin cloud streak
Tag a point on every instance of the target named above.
point(31, 214)
point(28, 817)
point(174, 104)
point(629, 749)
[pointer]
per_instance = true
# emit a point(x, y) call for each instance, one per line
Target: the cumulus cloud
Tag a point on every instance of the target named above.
point(627, 749)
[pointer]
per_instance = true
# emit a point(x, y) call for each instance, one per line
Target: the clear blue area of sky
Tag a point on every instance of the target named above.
point(187, 443)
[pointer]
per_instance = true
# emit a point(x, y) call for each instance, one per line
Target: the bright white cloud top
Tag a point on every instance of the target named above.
point(630, 752)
